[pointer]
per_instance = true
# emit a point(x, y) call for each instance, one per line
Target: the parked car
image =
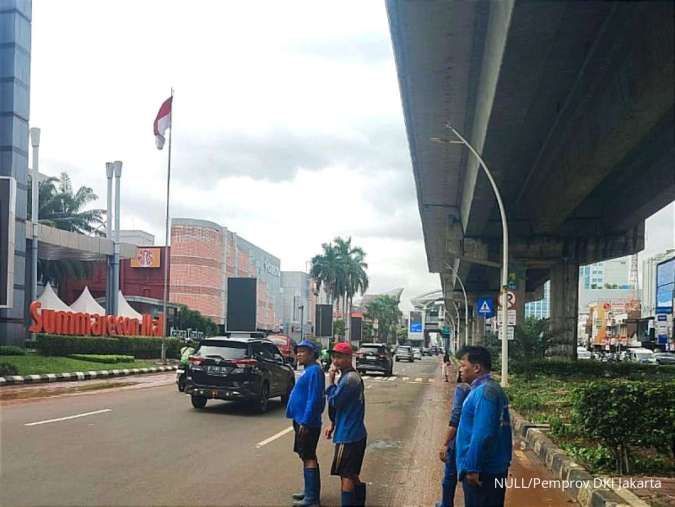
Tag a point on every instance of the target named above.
point(374, 357)
point(404, 353)
point(417, 353)
point(640, 355)
point(286, 346)
point(426, 351)
point(664, 357)
point(244, 368)
point(583, 353)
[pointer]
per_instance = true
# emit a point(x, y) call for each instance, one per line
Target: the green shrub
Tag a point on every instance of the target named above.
point(623, 414)
point(139, 347)
point(597, 458)
point(11, 350)
point(592, 369)
point(99, 358)
point(7, 369)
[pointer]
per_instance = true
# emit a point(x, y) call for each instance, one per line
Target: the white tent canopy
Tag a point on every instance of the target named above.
point(87, 304)
point(124, 309)
point(50, 301)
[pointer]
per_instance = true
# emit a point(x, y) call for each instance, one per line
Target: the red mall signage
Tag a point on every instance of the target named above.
point(87, 324)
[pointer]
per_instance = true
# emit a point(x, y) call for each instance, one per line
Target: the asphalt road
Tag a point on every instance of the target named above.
point(144, 444)
point(139, 442)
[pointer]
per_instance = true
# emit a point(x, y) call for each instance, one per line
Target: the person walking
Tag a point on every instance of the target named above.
point(447, 450)
point(445, 366)
point(305, 406)
point(347, 408)
point(483, 445)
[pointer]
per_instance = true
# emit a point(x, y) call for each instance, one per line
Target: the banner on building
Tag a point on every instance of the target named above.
point(147, 258)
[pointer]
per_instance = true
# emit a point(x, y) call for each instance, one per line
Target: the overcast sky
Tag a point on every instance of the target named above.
point(287, 120)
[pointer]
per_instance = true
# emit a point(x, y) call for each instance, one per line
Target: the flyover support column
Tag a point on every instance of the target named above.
point(564, 308)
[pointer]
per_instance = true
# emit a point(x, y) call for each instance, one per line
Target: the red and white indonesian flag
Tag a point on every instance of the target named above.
point(162, 122)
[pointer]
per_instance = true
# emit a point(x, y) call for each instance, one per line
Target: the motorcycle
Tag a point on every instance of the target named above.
point(181, 374)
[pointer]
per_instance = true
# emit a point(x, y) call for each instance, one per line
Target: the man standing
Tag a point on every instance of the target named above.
point(483, 444)
point(447, 450)
point(347, 409)
point(305, 406)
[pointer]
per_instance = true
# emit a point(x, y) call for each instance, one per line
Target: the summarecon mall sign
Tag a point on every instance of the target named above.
point(86, 324)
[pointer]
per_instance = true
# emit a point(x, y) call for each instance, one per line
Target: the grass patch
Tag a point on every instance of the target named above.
point(100, 358)
point(34, 364)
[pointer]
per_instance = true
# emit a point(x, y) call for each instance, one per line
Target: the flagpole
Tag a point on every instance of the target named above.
point(166, 240)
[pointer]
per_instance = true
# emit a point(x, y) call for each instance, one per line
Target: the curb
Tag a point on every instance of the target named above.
point(579, 483)
point(79, 375)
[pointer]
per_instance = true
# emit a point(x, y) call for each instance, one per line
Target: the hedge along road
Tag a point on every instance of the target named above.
point(150, 447)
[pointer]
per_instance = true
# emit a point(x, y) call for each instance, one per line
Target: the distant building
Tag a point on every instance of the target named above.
point(648, 291)
point(296, 291)
point(204, 255)
point(540, 309)
point(614, 273)
point(137, 237)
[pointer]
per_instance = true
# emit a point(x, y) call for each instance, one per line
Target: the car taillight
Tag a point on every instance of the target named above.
point(196, 360)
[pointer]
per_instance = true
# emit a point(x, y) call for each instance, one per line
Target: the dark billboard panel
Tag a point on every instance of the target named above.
point(324, 320)
point(7, 225)
point(356, 328)
point(241, 304)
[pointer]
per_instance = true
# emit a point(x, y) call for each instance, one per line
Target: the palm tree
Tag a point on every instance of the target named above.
point(63, 209)
point(59, 207)
point(342, 270)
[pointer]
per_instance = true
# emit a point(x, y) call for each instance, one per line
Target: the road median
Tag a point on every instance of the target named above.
point(80, 375)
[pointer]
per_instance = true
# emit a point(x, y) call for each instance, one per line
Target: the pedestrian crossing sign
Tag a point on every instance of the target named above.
point(485, 307)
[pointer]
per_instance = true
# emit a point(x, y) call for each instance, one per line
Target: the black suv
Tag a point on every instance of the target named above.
point(234, 367)
point(374, 357)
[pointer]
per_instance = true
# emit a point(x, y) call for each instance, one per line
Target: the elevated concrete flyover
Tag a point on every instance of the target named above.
point(570, 104)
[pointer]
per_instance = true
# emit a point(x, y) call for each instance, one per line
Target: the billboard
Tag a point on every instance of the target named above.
point(147, 258)
point(356, 328)
point(241, 304)
point(7, 225)
point(415, 326)
point(324, 320)
point(665, 286)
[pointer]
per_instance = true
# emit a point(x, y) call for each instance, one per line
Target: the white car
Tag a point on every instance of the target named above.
point(640, 355)
point(417, 353)
point(582, 353)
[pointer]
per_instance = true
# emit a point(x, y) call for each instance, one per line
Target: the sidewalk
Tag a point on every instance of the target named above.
point(420, 482)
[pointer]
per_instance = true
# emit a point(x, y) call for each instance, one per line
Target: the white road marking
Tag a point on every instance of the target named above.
point(68, 418)
point(273, 437)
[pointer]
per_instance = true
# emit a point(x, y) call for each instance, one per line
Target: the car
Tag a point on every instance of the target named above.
point(640, 355)
point(404, 353)
point(665, 357)
point(374, 357)
point(417, 353)
point(286, 346)
point(238, 368)
point(583, 353)
point(426, 351)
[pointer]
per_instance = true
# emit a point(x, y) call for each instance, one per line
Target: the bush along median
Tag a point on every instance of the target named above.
point(612, 425)
point(56, 354)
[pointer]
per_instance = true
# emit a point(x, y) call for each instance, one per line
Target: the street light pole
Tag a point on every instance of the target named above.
point(35, 218)
point(466, 305)
point(505, 253)
point(302, 323)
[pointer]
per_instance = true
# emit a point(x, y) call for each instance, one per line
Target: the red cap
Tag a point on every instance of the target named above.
point(343, 348)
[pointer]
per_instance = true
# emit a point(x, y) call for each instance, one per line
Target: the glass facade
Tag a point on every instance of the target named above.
point(540, 309)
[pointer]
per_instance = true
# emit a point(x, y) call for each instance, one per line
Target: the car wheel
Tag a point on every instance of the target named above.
point(262, 402)
point(287, 396)
point(198, 401)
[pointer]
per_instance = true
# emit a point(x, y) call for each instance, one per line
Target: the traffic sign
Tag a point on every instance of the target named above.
point(510, 333)
point(486, 307)
point(510, 298)
point(510, 319)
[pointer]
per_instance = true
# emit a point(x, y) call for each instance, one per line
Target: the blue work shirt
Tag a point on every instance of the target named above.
point(461, 392)
point(347, 402)
point(483, 442)
point(307, 399)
